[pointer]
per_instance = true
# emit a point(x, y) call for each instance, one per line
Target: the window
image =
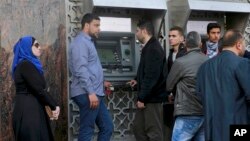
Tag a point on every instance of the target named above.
point(198, 26)
point(115, 24)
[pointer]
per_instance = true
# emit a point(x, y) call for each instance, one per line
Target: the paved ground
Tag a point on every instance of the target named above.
point(126, 138)
point(131, 137)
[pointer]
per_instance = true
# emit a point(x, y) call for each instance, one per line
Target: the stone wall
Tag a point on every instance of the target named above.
point(247, 34)
point(45, 20)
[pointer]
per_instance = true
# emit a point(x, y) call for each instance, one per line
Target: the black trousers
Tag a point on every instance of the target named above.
point(148, 123)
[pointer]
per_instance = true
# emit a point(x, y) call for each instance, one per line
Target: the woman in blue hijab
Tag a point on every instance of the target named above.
point(30, 120)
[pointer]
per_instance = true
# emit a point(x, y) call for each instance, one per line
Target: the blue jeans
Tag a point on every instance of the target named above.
point(187, 128)
point(89, 117)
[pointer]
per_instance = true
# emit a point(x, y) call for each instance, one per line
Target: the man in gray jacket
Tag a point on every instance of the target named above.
point(187, 107)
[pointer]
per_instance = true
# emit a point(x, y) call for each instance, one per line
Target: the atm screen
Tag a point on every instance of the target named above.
point(106, 55)
point(117, 52)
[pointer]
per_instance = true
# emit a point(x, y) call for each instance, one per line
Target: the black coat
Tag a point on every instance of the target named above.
point(223, 85)
point(181, 52)
point(152, 73)
point(30, 120)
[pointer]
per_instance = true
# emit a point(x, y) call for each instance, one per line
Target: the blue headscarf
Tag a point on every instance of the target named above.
point(22, 51)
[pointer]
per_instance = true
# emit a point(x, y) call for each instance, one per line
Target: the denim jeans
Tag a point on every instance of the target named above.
point(89, 117)
point(187, 128)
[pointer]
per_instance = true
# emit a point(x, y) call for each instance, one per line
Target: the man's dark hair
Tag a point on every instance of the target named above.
point(88, 18)
point(231, 37)
point(211, 26)
point(144, 24)
point(179, 29)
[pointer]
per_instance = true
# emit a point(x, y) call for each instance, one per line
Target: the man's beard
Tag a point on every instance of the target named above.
point(242, 53)
point(141, 40)
point(94, 36)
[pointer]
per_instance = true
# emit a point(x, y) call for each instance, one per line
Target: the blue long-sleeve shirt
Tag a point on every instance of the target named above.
point(85, 67)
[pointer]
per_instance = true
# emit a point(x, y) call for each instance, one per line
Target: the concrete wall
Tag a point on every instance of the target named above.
point(46, 21)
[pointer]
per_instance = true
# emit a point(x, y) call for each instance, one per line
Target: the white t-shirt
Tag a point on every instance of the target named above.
point(174, 56)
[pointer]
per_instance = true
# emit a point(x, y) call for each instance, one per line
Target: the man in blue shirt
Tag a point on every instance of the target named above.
point(87, 84)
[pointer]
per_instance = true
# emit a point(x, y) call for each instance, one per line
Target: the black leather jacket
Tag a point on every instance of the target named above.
point(181, 52)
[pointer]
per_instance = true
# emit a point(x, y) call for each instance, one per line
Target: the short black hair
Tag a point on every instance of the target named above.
point(146, 24)
point(179, 29)
point(231, 37)
point(88, 18)
point(211, 26)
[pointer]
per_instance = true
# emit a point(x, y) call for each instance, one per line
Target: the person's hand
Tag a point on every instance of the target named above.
point(171, 98)
point(93, 100)
point(108, 87)
point(132, 83)
point(140, 105)
point(55, 113)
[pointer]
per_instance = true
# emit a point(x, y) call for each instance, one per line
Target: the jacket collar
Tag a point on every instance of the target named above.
point(152, 39)
point(197, 49)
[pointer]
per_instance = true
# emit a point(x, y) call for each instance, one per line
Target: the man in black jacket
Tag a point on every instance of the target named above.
point(151, 82)
point(176, 39)
point(188, 110)
point(177, 49)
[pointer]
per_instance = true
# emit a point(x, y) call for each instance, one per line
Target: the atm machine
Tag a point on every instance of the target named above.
point(119, 53)
point(196, 14)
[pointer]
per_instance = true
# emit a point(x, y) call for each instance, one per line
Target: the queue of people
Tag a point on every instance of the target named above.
point(206, 83)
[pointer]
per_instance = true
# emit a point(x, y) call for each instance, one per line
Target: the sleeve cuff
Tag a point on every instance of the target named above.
point(90, 90)
point(140, 99)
